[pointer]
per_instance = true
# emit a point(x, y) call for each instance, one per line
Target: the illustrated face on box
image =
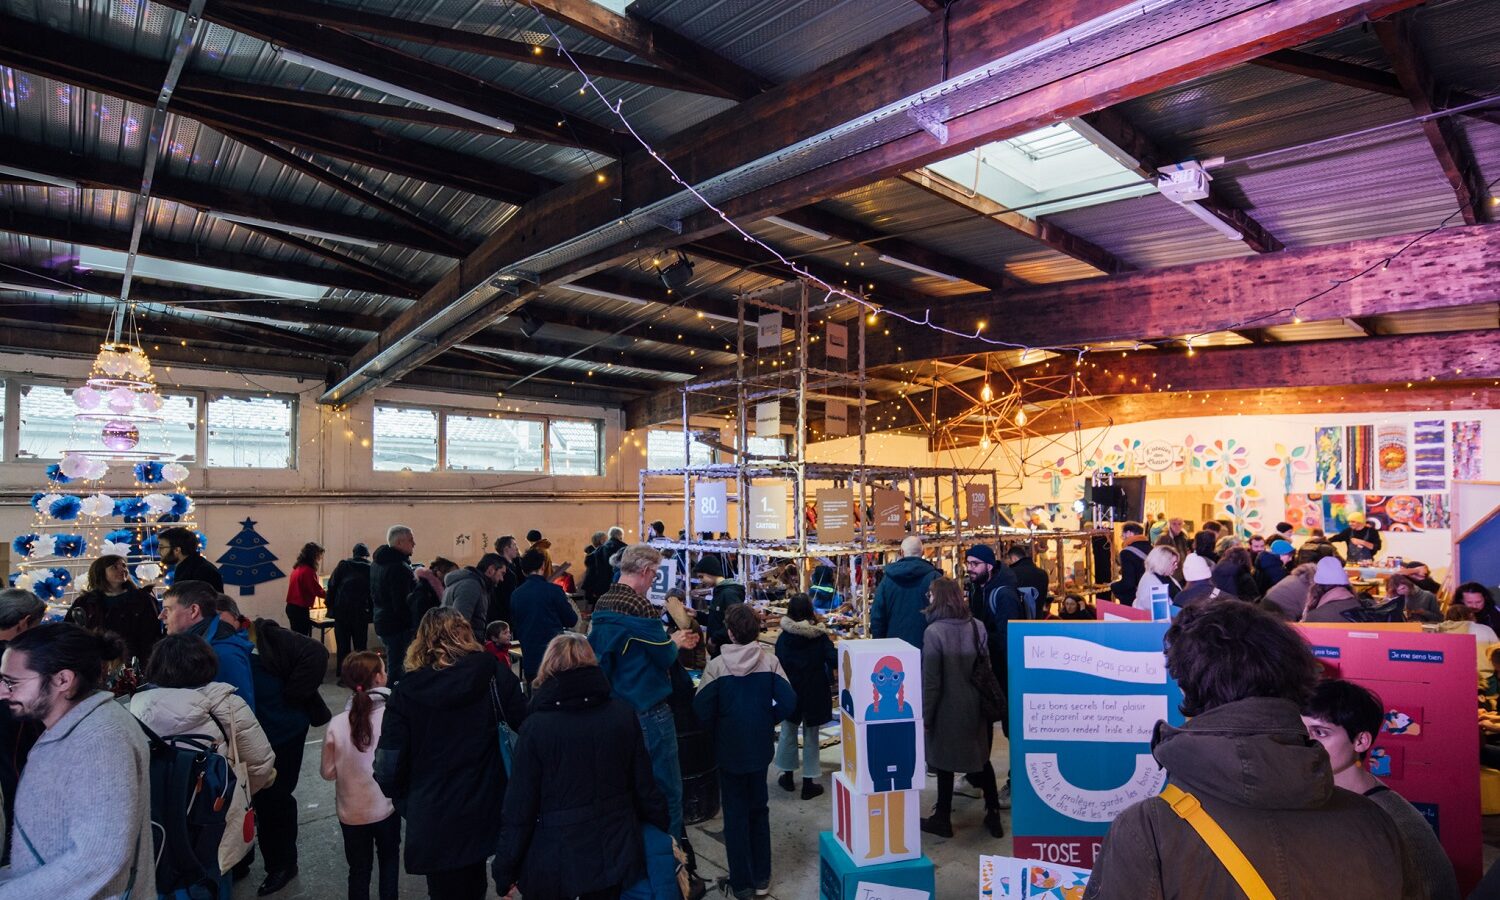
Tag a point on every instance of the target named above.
point(880, 680)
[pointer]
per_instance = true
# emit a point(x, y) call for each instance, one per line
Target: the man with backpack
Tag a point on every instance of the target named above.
point(1132, 562)
point(83, 808)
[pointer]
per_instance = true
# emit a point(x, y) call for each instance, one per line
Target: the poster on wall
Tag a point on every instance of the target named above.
point(1436, 512)
point(768, 511)
point(1393, 469)
point(1359, 451)
point(711, 506)
point(1429, 455)
point(1328, 469)
point(1466, 451)
point(890, 514)
point(1336, 510)
point(1396, 512)
point(1428, 752)
point(1085, 698)
point(1304, 512)
point(835, 515)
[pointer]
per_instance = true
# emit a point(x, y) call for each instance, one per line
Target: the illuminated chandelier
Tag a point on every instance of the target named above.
point(116, 486)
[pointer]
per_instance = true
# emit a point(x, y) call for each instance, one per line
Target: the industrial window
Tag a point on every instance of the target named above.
point(664, 450)
point(405, 439)
point(47, 427)
point(774, 447)
point(574, 447)
point(251, 432)
point(493, 444)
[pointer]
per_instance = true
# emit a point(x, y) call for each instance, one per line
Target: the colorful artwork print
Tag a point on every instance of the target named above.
point(1400, 512)
point(1337, 508)
point(1328, 466)
point(1359, 443)
point(1385, 762)
point(1466, 451)
point(1436, 512)
point(1056, 883)
point(1403, 721)
point(1429, 454)
point(1304, 512)
point(1392, 463)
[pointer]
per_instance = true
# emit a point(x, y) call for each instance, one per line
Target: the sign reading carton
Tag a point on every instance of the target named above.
point(767, 511)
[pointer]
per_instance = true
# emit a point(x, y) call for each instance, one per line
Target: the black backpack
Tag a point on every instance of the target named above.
point(192, 786)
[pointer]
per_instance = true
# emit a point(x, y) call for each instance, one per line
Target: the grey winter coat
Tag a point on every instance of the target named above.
point(468, 591)
point(84, 802)
point(1423, 605)
point(1335, 603)
point(955, 731)
point(1289, 595)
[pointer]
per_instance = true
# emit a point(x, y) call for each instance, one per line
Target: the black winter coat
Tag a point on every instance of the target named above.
point(510, 579)
point(807, 657)
point(288, 668)
point(349, 593)
point(439, 760)
point(196, 568)
point(725, 595)
point(1132, 568)
point(598, 575)
point(581, 788)
point(132, 615)
point(391, 580)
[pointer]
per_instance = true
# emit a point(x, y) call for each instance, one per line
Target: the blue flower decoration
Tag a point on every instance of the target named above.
point(25, 544)
point(35, 499)
point(148, 472)
point(62, 576)
point(202, 541)
point(48, 588)
point(134, 509)
point(65, 509)
point(56, 476)
point(69, 546)
point(120, 535)
point(180, 505)
point(149, 546)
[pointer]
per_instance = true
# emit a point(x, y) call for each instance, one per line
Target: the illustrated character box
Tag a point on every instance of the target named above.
point(875, 828)
point(880, 715)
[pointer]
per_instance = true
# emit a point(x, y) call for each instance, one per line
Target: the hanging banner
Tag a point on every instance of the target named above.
point(768, 511)
point(1392, 470)
point(835, 418)
point(710, 506)
point(890, 514)
point(665, 580)
point(1084, 700)
point(977, 505)
point(768, 331)
point(838, 341)
point(835, 516)
point(768, 418)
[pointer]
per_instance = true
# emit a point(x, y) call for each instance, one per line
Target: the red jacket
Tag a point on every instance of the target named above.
point(303, 589)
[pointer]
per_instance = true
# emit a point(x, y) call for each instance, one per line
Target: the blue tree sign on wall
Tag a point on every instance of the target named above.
point(248, 562)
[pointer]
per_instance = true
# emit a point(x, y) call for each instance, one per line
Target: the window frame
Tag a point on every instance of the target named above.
point(442, 411)
point(599, 460)
point(13, 385)
point(546, 424)
point(677, 436)
point(293, 401)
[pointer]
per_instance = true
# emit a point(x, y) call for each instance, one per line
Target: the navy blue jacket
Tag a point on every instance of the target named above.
point(539, 611)
point(900, 600)
point(742, 697)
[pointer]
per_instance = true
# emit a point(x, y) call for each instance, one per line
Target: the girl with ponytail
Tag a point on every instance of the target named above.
point(366, 816)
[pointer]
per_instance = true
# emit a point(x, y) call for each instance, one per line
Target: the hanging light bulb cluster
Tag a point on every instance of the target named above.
point(116, 485)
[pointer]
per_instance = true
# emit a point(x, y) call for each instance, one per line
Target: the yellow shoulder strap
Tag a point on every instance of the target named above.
point(1187, 807)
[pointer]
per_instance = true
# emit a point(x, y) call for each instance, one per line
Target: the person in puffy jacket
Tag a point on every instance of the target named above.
point(582, 779)
point(469, 590)
point(181, 697)
point(438, 758)
point(349, 604)
point(806, 654)
point(901, 596)
point(726, 593)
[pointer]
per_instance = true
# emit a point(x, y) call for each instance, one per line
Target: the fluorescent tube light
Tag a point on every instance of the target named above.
point(608, 295)
point(395, 90)
point(916, 268)
point(1219, 225)
point(800, 229)
point(294, 229)
point(42, 177)
point(202, 276)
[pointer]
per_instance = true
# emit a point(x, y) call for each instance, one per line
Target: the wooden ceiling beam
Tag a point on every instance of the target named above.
point(897, 67)
point(1112, 126)
point(852, 232)
point(656, 44)
point(533, 120)
point(209, 89)
point(1446, 138)
point(454, 38)
point(732, 250)
point(97, 67)
point(1053, 237)
point(1364, 78)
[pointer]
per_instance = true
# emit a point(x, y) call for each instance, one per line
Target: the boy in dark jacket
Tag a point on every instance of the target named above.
point(742, 696)
point(726, 593)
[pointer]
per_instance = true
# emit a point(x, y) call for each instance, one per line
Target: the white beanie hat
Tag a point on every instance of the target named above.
point(1196, 568)
point(1331, 571)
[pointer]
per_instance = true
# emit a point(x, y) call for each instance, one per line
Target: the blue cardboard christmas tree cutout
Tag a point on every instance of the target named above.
point(248, 562)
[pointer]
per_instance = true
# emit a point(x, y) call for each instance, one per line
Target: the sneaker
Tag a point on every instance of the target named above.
point(811, 789)
point(938, 825)
point(1005, 795)
point(786, 782)
point(763, 889)
point(993, 823)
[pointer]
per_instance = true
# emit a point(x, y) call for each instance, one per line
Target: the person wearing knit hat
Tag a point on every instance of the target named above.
point(1198, 573)
point(981, 552)
point(1272, 565)
point(995, 600)
point(726, 593)
point(1360, 536)
point(1330, 598)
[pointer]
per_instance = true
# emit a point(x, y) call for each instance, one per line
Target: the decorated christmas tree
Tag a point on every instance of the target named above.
point(117, 484)
point(248, 562)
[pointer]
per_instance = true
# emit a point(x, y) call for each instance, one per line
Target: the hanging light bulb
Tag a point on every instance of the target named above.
point(986, 394)
point(984, 441)
point(1021, 417)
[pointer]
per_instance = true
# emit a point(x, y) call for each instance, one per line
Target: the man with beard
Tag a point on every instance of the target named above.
point(72, 840)
point(19, 612)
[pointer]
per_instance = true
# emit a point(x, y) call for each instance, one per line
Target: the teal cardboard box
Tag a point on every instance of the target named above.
point(839, 878)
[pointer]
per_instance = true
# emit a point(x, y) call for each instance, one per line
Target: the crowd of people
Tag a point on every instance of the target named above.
point(448, 756)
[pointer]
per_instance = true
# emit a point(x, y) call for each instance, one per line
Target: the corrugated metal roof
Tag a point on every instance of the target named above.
point(782, 39)
point(1148, 232)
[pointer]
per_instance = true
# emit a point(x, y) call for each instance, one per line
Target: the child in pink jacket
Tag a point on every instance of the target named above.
point(366, 816)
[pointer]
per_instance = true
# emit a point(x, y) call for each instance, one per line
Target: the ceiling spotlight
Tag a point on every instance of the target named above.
point(676, 275)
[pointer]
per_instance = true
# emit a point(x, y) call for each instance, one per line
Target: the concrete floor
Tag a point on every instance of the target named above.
point(795, 824)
